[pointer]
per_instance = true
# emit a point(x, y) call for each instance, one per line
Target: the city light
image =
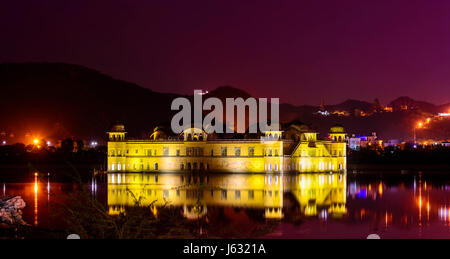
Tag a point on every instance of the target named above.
point(420, 125)
point(36, 141)
point(48, 143)
point(3, 142)
point(94, 143)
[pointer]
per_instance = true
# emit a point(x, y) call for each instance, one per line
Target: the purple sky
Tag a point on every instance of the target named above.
point(300, 51)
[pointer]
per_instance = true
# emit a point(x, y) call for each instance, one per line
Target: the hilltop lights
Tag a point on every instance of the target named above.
point(419, 125)
point(94, 143)
point(36, 143)
point(3, 142)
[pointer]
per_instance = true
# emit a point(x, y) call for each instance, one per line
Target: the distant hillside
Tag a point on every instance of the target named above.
point(60, 100)
point(57, 100)
point(444, 108)
point(228, 92)
point(351, 105)
point(404, 101)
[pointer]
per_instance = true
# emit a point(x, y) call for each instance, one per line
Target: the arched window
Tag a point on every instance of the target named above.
point(155, 166)
point(113, 167)
point(182, 166)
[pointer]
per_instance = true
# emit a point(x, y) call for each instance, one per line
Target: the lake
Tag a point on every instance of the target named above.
point(392, 204)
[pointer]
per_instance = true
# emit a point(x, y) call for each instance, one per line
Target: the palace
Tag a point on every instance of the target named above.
point(296, 149)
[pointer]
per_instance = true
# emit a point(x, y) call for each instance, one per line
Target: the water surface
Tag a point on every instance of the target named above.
point(352, 205)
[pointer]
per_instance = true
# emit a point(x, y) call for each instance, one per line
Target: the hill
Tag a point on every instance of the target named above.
point(55, 100)
point(406, 102)
point(58, 100)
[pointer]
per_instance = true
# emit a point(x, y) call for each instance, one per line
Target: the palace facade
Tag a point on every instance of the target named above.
point(296, 149)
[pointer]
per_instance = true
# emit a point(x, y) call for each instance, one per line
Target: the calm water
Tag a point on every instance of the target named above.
point(391, 204)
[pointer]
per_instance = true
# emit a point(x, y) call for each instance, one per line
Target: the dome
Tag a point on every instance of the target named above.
point(118, 127)
point(194, 131)
point(337, 129)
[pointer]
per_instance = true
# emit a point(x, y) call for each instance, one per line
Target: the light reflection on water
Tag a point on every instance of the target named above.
point(36, 195)
point(265, 192)
point(305, 205)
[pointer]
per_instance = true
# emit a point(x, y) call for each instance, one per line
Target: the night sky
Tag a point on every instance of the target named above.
point(300, 51)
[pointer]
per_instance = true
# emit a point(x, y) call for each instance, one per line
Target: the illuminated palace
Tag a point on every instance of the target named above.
point(296, 149)
point(317, 194)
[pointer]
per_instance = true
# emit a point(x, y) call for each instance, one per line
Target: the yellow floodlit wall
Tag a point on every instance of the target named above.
point(227, 155)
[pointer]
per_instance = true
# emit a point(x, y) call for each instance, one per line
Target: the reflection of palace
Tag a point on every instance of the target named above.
point(297, 149)
point(195, 193)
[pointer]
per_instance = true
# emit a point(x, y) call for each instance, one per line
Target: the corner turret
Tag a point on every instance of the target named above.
point(117, 132)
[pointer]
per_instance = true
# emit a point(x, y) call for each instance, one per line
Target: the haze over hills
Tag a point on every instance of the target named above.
point(54, 100)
